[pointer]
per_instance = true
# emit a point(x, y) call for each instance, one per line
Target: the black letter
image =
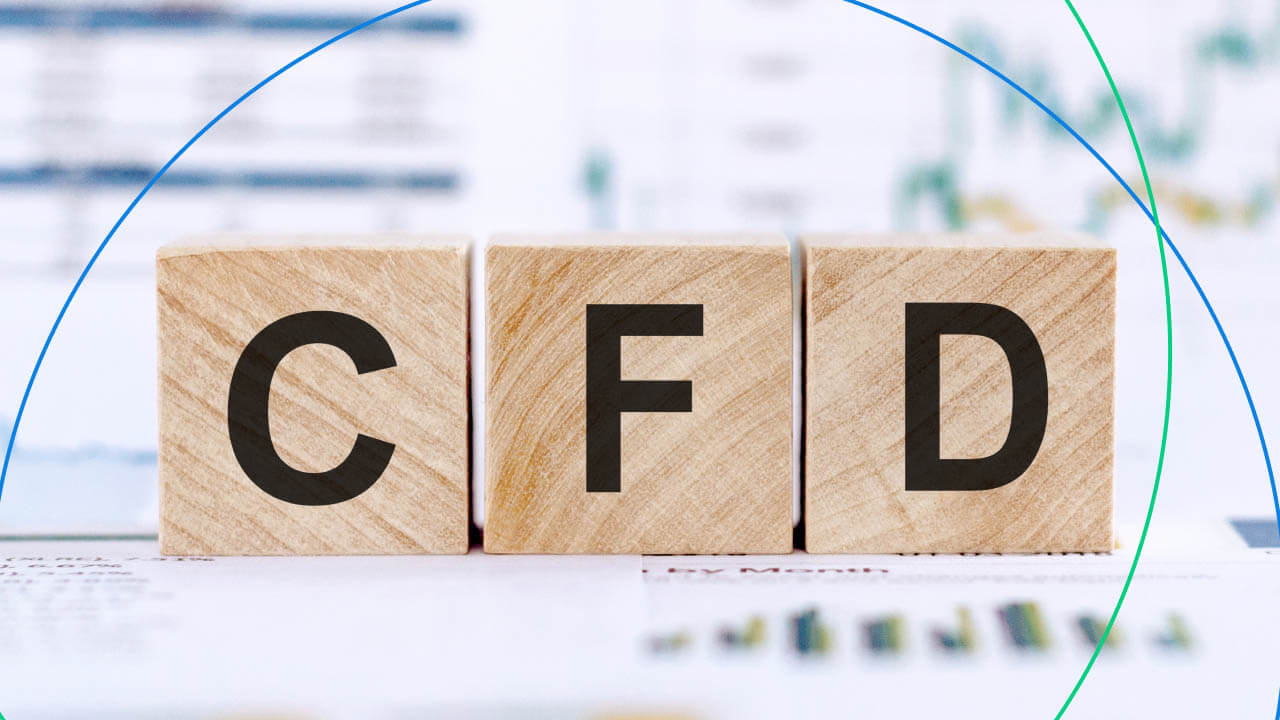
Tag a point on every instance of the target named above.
point(926, 323)
point(251, 389)
point(608, 396)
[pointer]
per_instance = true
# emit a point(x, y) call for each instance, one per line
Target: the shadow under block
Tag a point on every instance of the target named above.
point(214, 299)
point(715, 477)
point(858, 393)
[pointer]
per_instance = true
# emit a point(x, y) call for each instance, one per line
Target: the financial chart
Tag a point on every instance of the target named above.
point(99, 625)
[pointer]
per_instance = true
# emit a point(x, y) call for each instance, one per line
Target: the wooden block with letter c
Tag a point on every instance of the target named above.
point(639, 395)
point(313, 396)
point(959, 394)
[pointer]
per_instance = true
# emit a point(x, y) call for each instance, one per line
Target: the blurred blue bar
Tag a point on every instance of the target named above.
point(28, 17)
point(35, 175)
point(335, 23)
point(210, 18)
point(176, 18)
point(112, 175)
point(309, 180)
point(1257, 532)
point(135, 176)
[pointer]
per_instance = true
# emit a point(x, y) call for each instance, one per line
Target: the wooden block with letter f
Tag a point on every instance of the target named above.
point(313, 396)
point(638, 395)
point(959, 394)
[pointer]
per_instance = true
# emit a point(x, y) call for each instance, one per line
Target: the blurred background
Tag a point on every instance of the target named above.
point(481, 116)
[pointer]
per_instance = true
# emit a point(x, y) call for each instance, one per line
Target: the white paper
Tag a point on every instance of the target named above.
point(100, 626)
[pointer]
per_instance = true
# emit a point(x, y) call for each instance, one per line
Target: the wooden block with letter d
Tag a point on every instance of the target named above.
point(313, 396)
point(638, 395)
point(959, 394)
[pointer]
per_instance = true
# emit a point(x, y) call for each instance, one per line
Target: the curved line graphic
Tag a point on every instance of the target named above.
point(4, 470)
point(1168, 373)
point(1222, 333)
point(1204, 298)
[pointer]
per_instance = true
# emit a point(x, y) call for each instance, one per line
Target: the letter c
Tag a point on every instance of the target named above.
point(247, 408)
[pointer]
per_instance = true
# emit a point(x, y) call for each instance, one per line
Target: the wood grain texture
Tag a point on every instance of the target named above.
point(714, 480)
point(214, 297)
point(1063, 287)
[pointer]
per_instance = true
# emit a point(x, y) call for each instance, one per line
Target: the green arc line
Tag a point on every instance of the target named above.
point(1168, 376)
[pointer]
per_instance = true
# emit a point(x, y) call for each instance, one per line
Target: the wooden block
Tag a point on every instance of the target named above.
point(367, 445)
point(668, 361)
point(913, 378)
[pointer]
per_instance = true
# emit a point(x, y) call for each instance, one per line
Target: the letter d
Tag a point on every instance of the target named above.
point(926, 323)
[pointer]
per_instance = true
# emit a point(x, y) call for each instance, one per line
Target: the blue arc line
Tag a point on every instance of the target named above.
point(4, 470)
point(1253, 410)
point(26, 394)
